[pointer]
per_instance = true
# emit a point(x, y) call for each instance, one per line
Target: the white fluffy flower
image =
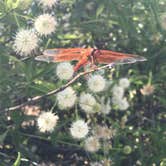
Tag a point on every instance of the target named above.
point(45, 24)
point(121, 103)
point(88, 103)
point(96, 83)
point(117, 91)
point(92, 144)
point(25, 42)
point(47, 121)
point(47, 3)
point(79, 129)
point(64, 71)
point(66, 98)
point(124, 82)
point(105, 106)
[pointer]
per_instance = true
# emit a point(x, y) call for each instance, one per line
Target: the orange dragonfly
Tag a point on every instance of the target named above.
point(85, 56)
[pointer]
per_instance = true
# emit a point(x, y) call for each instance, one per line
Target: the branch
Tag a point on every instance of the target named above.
point(36, 98)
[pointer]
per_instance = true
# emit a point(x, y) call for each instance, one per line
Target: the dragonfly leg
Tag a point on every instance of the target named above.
point(93, 62)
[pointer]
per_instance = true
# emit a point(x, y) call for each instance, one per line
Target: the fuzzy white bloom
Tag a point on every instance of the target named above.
point(64, 71)
point(66, 98)
point(118, 91)
point(96, 83)
point(79, 129)
point(88, 103)
point(92, 144)
point(47, 3)
point(105, 106)
point(47, 121)
point(124, 82)
point(121, 103)
point(25, 42)
point(45, 24)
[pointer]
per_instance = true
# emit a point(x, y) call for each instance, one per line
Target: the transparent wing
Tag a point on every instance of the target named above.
point(107, 57)
point(60, 54)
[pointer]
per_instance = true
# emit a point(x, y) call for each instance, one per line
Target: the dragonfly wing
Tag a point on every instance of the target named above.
point(44, 58)
point(107, 57)
point(60, 55)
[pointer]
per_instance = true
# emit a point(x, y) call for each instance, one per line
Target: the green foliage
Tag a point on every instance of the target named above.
point(17, 162)
point(127, 26)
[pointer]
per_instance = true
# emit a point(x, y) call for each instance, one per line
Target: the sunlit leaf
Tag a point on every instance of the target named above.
point(99, 10)
point(18, 160)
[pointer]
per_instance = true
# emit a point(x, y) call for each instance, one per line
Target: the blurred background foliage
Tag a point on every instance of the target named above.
point(127, 26)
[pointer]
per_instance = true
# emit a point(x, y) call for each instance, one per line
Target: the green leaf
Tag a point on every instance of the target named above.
point(2, 137)
point(2, 7)
point(17, 117)
point(69, 36)
point(18, 160)
point(12, 4)
point(163, 162)
point(99, 10)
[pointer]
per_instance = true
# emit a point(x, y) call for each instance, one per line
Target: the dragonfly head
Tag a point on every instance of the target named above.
point(95, 53)
point(93, 56)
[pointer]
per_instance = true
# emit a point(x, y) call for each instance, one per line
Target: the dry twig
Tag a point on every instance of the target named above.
point(36, 98)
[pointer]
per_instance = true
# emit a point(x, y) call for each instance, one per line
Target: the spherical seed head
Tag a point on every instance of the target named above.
point(45, 24)
point(26, 41)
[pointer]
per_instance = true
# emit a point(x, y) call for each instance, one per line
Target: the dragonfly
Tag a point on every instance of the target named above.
point(86, 56)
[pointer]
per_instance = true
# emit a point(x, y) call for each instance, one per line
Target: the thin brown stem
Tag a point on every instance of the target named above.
point(36, 98)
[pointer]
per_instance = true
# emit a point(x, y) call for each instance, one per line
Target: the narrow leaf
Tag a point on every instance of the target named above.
point(18, 160)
